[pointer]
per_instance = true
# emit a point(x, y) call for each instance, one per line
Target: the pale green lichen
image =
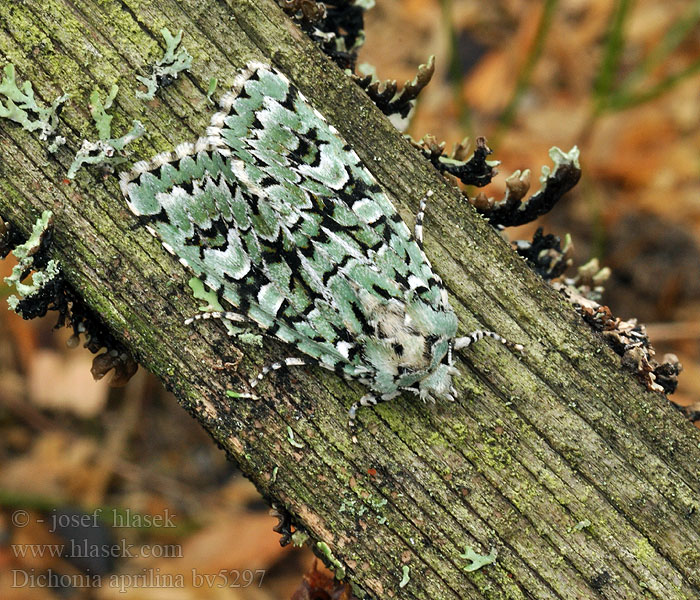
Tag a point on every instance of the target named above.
point(252, 339)
point(167, 68)
point(58, 140)
point(201, 292)
point(333, 562)
point(406, 576)
point(25, 263)
point(19, 105)
point(581, 525)
point(239, 395)
point(106, 150)
point(98, 110)
point(290, 438)
point(213, 82)
point(357, 507)
point(377, 503)
point(477, 560)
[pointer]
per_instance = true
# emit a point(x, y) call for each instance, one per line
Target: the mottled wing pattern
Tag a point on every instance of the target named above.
point(275, 212)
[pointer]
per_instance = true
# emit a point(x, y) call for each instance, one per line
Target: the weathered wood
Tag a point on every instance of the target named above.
point(532, 448)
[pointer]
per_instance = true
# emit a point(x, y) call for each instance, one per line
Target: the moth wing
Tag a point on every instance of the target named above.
point(317, 185)
point(275, 212)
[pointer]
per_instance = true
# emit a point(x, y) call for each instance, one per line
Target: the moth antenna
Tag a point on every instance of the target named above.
point(420, 215)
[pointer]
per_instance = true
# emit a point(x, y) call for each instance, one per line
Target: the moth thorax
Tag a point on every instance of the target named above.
point(395, 329)
point(388, 317)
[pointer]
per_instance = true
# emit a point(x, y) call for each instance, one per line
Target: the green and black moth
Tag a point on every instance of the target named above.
point(276, 214)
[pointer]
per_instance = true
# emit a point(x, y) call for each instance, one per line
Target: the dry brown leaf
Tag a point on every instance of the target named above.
point(62, 381)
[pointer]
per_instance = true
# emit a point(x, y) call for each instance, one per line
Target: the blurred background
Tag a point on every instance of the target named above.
point(619, 79)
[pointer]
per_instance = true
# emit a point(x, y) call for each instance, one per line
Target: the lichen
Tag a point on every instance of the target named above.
point(477, 560)
point(20, 106)
point(103, 120)
point(166, 70)
point(581, 525)
point(106, 150)
point(643, 550)
point(47, 290)
point(26, 254)
point(213, 82)
point(201, 292)
point(290, 438)
point(239, 395)
point(333, 562)
point(406, 576)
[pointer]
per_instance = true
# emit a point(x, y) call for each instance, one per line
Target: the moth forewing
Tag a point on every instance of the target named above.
point(276, 214)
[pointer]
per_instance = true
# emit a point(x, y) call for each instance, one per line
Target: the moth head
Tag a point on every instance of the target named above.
point(437, 384)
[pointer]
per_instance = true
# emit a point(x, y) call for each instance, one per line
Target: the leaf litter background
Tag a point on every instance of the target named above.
point(619, 79)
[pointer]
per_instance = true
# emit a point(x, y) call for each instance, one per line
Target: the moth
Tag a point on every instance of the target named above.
point(274, 212)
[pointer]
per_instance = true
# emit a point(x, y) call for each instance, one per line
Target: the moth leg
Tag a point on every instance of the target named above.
point(420, 215)
point(366, 400)
point(475, 336)
point(287, 362)
point(248, 332)
point(425, 398)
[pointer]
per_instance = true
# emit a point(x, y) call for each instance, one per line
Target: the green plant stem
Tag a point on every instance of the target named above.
point(674, 37)
point(455, 67)
point(525, 75)
point(624, 101)
point(611, 56)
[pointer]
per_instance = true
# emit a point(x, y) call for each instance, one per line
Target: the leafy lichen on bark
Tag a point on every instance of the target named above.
point(532, 448)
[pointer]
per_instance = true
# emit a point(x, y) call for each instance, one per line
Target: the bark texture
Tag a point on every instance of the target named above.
point(585, 484)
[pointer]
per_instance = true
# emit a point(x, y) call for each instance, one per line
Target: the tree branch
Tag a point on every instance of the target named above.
point(585, 484)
